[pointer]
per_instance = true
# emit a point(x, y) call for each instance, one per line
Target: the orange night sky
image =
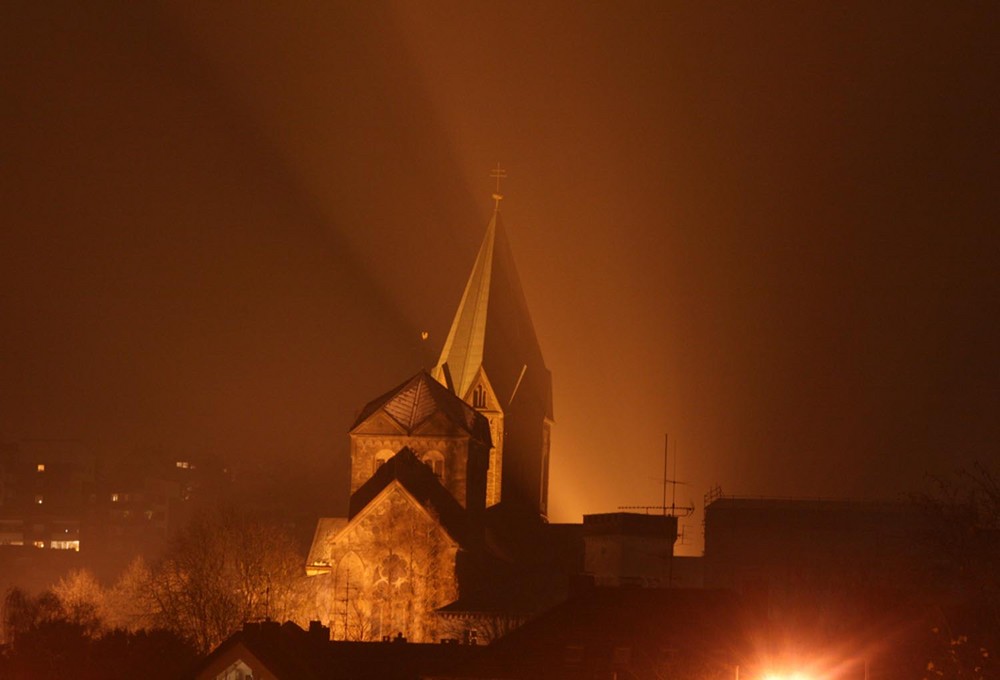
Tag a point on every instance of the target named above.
point(769, 230)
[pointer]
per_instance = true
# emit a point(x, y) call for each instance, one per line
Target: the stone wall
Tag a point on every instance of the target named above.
point(391, 568)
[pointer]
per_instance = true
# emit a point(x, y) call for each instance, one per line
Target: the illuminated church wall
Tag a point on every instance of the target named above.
point(448, 457)
point(482, 398)
point(419, 458)
point(387, 572)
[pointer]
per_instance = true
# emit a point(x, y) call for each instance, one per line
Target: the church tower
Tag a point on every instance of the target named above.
point(420, 549)
point(492, 360)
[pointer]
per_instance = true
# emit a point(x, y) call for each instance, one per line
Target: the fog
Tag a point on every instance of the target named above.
point(769, 231)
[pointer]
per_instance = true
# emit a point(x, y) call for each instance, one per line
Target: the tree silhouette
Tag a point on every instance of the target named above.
point(225, 568)
point(963, 521)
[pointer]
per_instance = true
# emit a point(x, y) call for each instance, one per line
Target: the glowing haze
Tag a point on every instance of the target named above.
point(768, 231)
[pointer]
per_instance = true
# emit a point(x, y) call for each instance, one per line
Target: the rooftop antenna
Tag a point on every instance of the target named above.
point(673, 508)
point(666, 448)
point(497, 173)
point(674, 511)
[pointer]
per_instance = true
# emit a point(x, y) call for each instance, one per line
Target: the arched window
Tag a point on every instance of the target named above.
point(435, 461)
point(479, 397)
point(381, 457)
point(348, 611)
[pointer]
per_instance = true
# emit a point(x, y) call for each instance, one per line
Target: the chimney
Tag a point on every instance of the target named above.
point(319, 632)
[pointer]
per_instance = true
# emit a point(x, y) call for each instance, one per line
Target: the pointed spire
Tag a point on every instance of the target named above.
point(463, 349)
point(492, 340)
point(492, 328)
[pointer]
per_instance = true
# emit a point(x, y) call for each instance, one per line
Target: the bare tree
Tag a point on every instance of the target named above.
point(82, 599)
point(222, 570)
point(963, 513)
point(128, 604)
point(963, 518)
point(23, 612)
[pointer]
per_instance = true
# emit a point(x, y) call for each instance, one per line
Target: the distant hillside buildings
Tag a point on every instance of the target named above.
point(62, 505)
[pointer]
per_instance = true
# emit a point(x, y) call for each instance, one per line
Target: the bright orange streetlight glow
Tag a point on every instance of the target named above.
point(787, 676)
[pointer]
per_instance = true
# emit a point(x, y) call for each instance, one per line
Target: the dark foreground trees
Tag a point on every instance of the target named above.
point(963, 522)
point(223, 569)
point(47, 640)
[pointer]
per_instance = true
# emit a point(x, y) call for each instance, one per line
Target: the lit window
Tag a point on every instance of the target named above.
point(65, 545)
point(39, 544)
point(39, 499)
point(41, 467)
point(183, 464)
point(114, 498)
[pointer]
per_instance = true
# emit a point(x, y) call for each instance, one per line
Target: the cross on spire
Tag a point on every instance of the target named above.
point(498, 173)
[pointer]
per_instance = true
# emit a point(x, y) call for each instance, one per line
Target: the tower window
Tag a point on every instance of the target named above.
point(435, 461)
point(436, 466)
point(381, 457)
point(479, 397)
point(41, 467)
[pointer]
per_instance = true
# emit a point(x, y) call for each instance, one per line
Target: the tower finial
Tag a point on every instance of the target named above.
point(497, 173)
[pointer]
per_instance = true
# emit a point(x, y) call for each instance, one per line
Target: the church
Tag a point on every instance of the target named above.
point(446, 528)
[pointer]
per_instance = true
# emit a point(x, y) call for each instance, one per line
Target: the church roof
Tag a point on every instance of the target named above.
point(493, 329)
point(326, 529)
point(421, 482)
point(420, 397)
point(288, 652)
point(693, 625)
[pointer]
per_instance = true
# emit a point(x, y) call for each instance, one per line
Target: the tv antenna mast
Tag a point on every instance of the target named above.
point(674, 509)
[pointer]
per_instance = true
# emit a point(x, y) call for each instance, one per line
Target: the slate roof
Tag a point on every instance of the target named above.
point(284, 650)
point(422, 484)
point(623, 632)
point(326, 528)
point(291, 653)
point(420, 397)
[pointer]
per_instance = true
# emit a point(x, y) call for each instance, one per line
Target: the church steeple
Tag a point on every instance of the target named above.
point(463, 349)
point(491, 349)
point(492, 327)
